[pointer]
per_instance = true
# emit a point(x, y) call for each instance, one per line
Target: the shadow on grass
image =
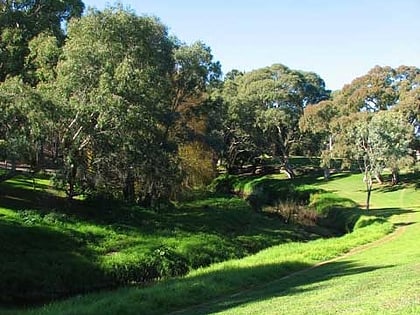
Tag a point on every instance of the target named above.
point(385, 212)
point(39, 264)
point(287, 286)
point(224, 216)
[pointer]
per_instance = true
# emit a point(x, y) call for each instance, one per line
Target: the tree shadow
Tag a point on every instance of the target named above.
point(385, 212)
point(211, 215)
point(39, 264)
point(401, 224)
point(286, 286)
point(386, 188)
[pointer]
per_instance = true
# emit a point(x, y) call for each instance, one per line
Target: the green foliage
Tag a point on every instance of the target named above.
point(219, 280)
point(224, 184)
point(23, 119)
point(23, 20)
point(264, 108)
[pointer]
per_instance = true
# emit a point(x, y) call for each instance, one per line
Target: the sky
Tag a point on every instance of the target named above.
point(338, 39)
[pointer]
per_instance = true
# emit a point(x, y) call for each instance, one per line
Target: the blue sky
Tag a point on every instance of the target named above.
point(338, 39)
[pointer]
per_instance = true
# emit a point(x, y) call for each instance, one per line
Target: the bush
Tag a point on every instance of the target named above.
point(224, 184)
point(162, 262)
point(294, 212)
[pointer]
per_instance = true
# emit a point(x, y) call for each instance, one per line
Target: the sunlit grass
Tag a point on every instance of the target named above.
point(219, 279)
point(223, 279)
point(66, 248)
point(381, 280)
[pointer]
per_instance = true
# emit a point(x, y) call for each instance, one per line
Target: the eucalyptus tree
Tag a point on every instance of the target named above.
point(114, 87)
point(317, 120)
point(265, 106)
point(194, 119)
point(128, 92)
point(381, 89)
point(22, 20)
point(375, 141)
point(24, 120)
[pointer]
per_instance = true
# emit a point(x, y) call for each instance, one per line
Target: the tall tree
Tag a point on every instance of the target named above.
point(24, 120)
point(265, 106)
point(114, 85)
point(22, 20)
point(195, 113)
point(317, 120)
point(381, 89)
point(375, 140)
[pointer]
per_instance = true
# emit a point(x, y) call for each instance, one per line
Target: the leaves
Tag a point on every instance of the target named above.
point(266, 105)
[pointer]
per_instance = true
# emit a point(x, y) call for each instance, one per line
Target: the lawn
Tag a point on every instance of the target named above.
point(236, 284)
point(382, 279)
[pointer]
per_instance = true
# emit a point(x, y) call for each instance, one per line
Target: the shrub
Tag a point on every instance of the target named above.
point(294, 212)
point(162, 262)
point(224, 184)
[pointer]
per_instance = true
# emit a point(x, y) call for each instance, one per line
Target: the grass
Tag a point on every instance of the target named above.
point(383, 279)
point(225, 224)
point(53, 249)
point(223, 279)
point(217, 280)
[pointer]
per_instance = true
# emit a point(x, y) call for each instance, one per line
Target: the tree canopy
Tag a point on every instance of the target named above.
point(264, 108)
point(118, 107)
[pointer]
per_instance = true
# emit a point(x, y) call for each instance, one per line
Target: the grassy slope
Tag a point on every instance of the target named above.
point(50, 249)
point(237, 275)
point(382, 279)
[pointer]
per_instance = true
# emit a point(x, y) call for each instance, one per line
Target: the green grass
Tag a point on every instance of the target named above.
point(380, 280)
point(182, 232)
point(217, 280)
point(383, 279)
point(52, 248)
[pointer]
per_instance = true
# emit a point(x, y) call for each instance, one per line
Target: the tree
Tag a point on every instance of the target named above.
point(41, 62)
point(195, 112)
point(265, 105)
point(24, 120)
point(23, 20)
point(317, 120)
point(381, 89)
point(114, 87)
point(375, 140)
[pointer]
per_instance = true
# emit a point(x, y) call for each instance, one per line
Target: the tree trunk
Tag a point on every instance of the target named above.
point(41, 156)
point(368, 180)
point(327, 173)
point(395, 177)
point(13, 164)
point(71, 181)
point(288, 168)
point(128, 190)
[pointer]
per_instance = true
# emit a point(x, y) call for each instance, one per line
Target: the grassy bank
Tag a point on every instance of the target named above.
point(52, 248)
point(218, 280)
point(381, 279)
point(226, 278)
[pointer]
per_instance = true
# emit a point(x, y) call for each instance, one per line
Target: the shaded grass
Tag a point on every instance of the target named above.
point(219, 279)
point(54, 248)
